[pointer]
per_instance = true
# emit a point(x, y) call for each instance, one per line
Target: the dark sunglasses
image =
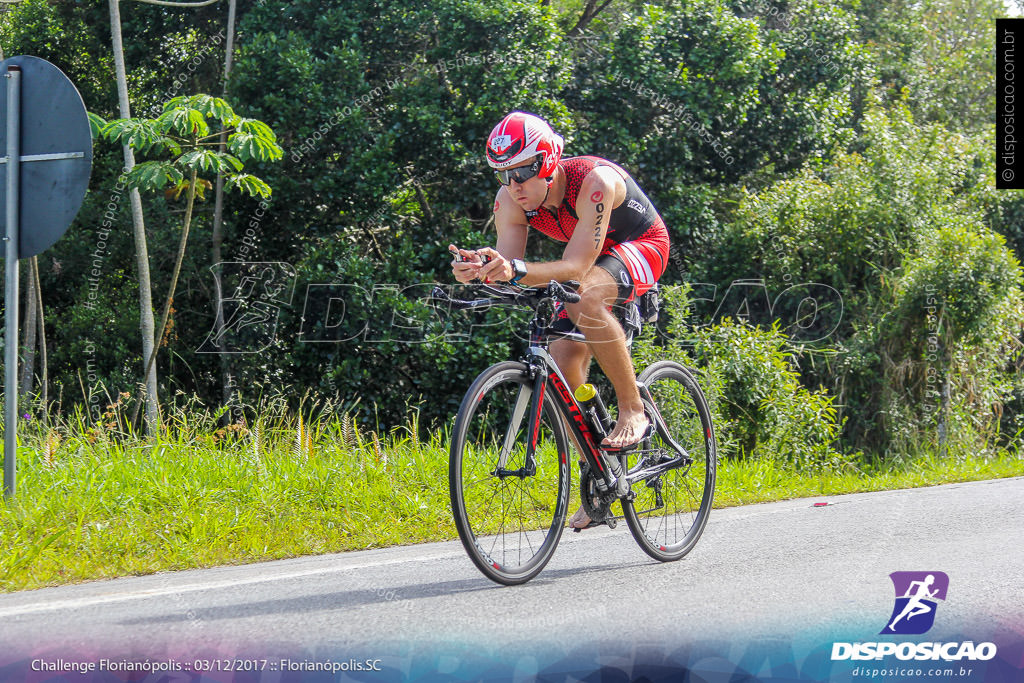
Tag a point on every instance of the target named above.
point(519, 174)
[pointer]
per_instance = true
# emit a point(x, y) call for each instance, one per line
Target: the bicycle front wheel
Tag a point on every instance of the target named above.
point(509, 489)
point(668, 511)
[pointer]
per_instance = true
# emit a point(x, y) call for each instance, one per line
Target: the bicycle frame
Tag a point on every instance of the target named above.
point(543, 371)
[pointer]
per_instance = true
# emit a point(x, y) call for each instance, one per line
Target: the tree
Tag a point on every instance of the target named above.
point(138, 220)
point(218, 215)
point(938, 54)
point(695, 97)
point(183, 131)
point(4, 7)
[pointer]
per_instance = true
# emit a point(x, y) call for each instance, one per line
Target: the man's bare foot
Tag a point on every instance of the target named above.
point(580, 520)
point(629, 430)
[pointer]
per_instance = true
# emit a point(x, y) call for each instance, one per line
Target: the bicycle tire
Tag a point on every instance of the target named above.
point(508, 525)
point(669, 531)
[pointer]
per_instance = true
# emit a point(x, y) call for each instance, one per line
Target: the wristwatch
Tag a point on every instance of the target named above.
point(518, 270)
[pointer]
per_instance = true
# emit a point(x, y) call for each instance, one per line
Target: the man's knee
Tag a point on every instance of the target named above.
point(599, 285)
point(595, 298)
point(594, 314)
point(567, 351)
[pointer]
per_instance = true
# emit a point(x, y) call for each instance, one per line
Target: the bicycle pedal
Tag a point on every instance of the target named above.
point(611, 522)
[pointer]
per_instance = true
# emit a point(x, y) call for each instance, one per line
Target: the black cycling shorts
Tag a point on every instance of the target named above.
point(624, 309)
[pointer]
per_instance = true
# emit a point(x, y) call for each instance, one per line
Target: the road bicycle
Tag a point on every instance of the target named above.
point(509, 469)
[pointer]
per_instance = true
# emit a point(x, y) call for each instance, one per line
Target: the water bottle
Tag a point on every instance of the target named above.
point(601, 422)
point(594, 409)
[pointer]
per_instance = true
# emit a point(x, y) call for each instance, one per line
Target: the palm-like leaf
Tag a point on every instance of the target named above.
point(214, 108)
point(250, 146)
point(249, 184)
point(140, 134)
point(209, 161)
point(96, 125)
point(153, 175)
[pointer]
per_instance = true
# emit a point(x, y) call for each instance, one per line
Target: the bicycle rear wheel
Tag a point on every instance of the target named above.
point(668, 511)
point(508, 510)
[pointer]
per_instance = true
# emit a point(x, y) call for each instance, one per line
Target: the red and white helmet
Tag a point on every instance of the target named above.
point(520, 137)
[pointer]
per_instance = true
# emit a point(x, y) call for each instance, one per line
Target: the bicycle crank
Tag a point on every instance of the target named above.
point(596, 503)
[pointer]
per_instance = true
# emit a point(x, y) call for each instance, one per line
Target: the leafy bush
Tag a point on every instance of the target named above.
point(759, 407)
point(888, 227)
point(955, 312)
point(761, 399)
point(850, 222)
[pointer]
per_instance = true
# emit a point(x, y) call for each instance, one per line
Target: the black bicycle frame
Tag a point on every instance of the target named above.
point(542, 371)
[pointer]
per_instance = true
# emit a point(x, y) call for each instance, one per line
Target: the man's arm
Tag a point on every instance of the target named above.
point(598, 195)
point(513, 230)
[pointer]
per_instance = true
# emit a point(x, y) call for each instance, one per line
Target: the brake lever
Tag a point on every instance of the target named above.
point(439, 296)
point(560, 293)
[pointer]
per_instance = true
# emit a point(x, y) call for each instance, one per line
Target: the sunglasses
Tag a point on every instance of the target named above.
point(519, 174)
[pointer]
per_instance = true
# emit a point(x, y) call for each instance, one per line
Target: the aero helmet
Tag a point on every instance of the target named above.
point(520, 137)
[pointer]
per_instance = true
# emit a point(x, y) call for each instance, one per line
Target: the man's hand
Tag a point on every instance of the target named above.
point(498, 268)
point(467, 264)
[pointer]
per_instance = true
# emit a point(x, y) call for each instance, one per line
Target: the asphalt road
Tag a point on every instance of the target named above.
point(788, 571)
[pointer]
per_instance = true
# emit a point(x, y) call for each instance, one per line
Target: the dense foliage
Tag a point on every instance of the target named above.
point(824, 166)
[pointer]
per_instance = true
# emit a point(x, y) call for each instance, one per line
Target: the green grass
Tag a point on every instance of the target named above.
point(95, 503)
point(760, 481)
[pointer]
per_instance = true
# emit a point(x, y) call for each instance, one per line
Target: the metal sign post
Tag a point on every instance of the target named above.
point(43, 187)
point(13, 78)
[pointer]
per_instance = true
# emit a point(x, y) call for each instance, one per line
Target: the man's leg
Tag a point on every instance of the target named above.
point(573, 359)
point(607, 342)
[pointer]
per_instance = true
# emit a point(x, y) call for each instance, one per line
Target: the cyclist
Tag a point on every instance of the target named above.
point(617, 246)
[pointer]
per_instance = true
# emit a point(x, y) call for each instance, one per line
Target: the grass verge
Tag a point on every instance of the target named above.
point(94, 504)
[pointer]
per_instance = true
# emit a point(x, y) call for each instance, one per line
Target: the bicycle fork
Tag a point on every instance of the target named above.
point(529, 405)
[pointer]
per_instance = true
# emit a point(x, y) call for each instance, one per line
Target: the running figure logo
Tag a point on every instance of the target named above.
point(246, 318)
point(916, 596)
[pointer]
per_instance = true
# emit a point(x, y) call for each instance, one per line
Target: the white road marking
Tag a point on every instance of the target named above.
point(200, 586)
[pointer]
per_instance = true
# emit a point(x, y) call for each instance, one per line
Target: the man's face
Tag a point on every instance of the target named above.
point(530, 193)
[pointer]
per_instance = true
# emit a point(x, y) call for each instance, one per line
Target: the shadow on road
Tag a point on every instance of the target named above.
point(366, 596)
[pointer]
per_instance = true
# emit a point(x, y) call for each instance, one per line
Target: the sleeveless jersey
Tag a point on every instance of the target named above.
point(634, 219)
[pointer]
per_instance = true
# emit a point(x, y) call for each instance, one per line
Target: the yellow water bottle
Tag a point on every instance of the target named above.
point(594, 409)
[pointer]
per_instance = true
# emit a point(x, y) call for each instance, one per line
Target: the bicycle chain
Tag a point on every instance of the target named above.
point(596, 504)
